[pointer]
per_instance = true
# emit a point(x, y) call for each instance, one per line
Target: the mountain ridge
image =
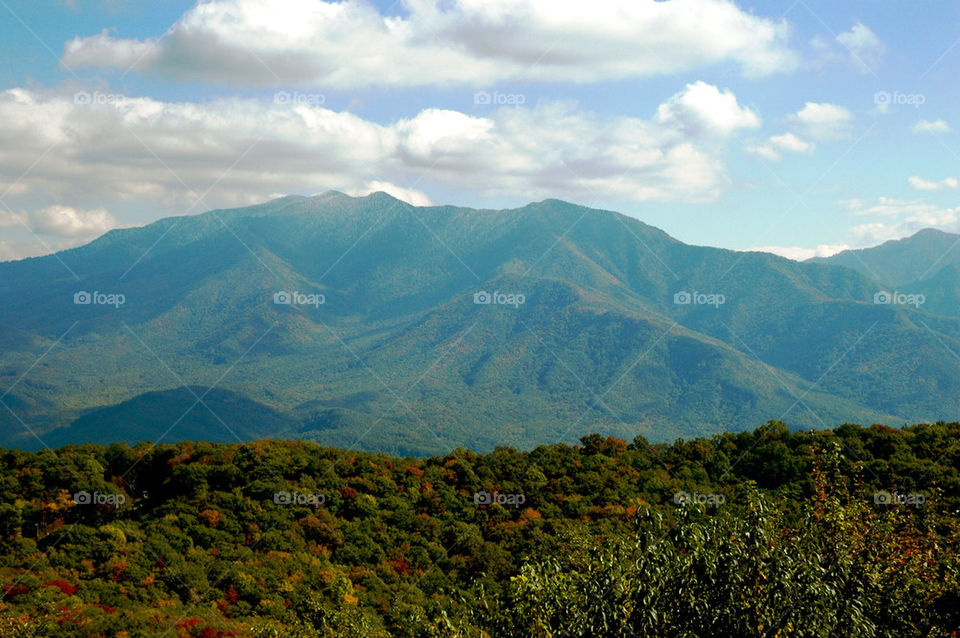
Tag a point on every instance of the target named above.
point(601, 342)
point(900, 262)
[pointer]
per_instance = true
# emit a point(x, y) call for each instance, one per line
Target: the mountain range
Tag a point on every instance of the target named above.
point(368, 322)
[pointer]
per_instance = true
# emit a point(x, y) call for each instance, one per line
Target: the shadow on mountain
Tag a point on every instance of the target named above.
point(183, 414)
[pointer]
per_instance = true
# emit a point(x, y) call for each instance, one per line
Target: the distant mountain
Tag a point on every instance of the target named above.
point(595, 322)
point(902, 261)
point(222, 417)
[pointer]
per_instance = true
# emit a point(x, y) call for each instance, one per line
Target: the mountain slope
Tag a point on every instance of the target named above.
point(901, 261)
point(399, 357)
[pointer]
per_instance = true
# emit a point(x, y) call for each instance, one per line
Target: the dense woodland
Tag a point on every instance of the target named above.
point(844, 532)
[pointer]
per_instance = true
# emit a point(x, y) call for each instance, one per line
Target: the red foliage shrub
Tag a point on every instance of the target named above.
point(63, 586)
point(15, 590)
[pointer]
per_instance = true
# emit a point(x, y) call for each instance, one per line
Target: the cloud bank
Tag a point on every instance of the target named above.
point(235, 151)
point(350, 44)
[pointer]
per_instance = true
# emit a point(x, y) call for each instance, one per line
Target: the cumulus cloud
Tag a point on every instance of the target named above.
point(823, 120)
point(134, 150)
point(865, 48)
point(927, 126)
point(926, 185)
point(53, 228)
point(349, 43)
point(703, 108)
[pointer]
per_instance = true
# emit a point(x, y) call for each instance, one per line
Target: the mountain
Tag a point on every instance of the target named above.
point(598, 322)
point(178, 415)
point(902, 261)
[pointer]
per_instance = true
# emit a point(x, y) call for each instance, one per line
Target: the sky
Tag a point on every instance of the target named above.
point(798, 127)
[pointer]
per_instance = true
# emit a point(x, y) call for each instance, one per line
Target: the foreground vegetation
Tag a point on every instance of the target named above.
point(849, 532)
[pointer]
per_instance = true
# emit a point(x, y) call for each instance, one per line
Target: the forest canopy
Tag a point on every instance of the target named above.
point(844, 532)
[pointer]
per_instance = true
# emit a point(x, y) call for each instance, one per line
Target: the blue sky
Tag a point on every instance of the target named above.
point(799, 127)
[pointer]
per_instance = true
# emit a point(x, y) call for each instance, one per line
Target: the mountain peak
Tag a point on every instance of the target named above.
point(926, 233)
point(378, 196)
point(330, 194)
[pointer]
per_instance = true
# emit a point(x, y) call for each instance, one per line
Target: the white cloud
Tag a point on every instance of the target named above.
point(135, 151)
point(800, 254)
point(765, 151)
point(105, 51)
point(865, 48)
point(54, 228)
point(935, 126)
point(877, 232)
point(777, 144)
point(703, 108)
point(887, 206)
point(925, 185)
point(790, 142)
point(64, 221)
point(349, 44)
point(823, 120)
point(900, 218)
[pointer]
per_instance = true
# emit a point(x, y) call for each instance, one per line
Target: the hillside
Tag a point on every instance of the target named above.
point(398, 357)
